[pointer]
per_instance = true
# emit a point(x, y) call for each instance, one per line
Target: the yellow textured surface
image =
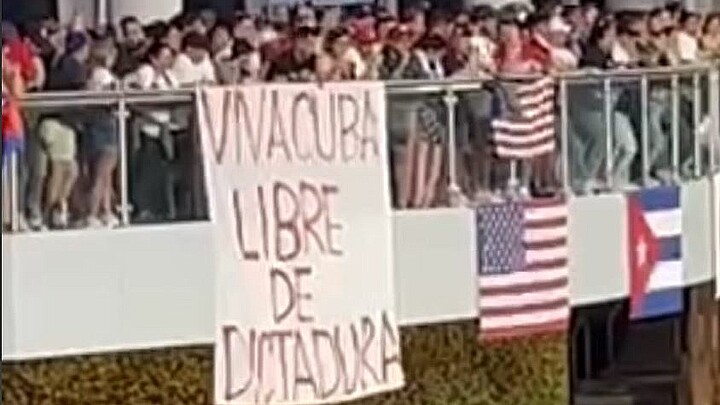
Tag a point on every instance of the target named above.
point(444, 365)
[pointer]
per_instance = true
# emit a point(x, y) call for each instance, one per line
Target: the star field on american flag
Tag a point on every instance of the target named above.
point(523, 272)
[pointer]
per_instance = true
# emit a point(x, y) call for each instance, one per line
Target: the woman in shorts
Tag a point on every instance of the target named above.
point(102, 140)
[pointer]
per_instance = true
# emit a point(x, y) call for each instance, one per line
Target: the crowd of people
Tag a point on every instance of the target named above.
point(305, 43)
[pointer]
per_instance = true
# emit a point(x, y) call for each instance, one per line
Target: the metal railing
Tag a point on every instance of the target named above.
point(650, 122)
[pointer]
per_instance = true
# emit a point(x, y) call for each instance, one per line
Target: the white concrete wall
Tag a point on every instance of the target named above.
point(81, 292)
point(146, 11)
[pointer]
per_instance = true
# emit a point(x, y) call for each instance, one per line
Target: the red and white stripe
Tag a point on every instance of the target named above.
point(531, 132)
point(537, 298)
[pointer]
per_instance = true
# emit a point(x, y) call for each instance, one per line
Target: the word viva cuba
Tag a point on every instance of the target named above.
point(304, 127)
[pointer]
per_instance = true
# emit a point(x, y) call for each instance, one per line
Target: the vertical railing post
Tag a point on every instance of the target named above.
point(564, 137)
point(675, 141)
point(609, 130)
point(451, 100)
point(14, 190)
point(714, 111)
point(697, 122)
point(645, 130)
point(122, 116)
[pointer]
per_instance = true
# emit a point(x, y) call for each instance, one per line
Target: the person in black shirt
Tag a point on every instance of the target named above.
point(295, 60)
point(58, 131)
point(597, 53)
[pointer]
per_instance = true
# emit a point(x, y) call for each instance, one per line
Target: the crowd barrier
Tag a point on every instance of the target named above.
point(614, 130)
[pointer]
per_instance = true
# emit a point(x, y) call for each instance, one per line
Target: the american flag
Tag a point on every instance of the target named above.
point(523, 280)
point(530, 131)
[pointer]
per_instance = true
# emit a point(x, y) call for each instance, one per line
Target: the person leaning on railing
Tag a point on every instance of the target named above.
point(151, 174)
point(59, 131)
point(102, 138)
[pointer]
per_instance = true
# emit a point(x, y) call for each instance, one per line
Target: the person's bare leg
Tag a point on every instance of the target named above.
point(102, 185)
point(108, 173)
point(69, 179)
point(400, 154)
point(434, 173)
point(423, 156)
point(407, 173)
point(5, 197)
point(53, 191)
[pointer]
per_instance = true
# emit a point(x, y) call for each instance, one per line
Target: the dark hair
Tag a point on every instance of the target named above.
point(196, 40)
point(332, 36)
point(221, 25)
point(657, 12)
point(432, 41)
point(306, 31)
point(178, 22)
point(685, 16)
point(156, 49)
point(126, 21)
point(708, 19)
point(482, 13)
point(241, 47)
point(674, 7)
point(600, 31)
point(537, 18)
point(157, 30)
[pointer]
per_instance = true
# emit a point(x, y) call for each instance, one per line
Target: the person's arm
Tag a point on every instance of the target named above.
point(14, 81)
point(325, 68)
point(180, 68)
point(209, 73)
point(40, 74)
point(144, 77)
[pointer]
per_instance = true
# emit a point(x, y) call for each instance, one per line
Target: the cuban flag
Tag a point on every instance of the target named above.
point(12, 128)
point(655, 252)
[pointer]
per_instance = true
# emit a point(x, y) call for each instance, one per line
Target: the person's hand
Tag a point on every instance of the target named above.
point(78, 23)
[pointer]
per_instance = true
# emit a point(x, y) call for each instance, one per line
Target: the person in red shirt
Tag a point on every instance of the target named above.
point(515, 54)
point(19, 52)
point(536, 49)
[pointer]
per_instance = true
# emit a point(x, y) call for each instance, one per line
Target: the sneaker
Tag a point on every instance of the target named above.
point(111, 221)
point(94, 222)
point(524, 192)
point(23, 225)
point(60, 218)
point(35, 223)
point(665, 176)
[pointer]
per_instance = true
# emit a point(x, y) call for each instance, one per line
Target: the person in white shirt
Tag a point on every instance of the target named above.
point(102, 141)
point(562, 57)
point(624, 50)
point(222, 43)
point(194, 66)
point(156, 150)
point(483, 45)
point(686, 39)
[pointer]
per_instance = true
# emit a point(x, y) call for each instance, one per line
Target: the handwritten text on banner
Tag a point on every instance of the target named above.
point(297, 178)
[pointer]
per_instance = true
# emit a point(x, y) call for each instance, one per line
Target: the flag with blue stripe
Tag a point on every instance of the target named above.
point(655, 252)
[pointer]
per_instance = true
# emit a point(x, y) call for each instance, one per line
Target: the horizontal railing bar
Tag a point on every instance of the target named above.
point(396, 87)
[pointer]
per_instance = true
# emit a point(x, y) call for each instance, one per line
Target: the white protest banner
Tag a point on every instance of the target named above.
point(298, 194)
